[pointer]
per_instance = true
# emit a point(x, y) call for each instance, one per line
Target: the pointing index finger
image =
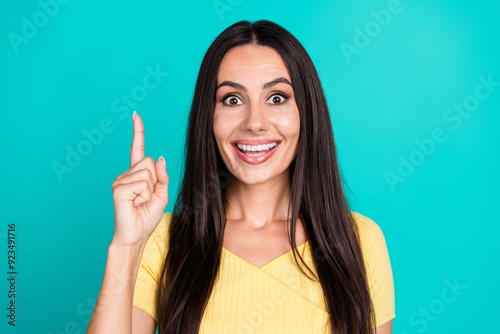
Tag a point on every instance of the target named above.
point(137, 149)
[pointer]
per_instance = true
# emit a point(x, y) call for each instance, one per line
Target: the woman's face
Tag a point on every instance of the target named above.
point(255, 106)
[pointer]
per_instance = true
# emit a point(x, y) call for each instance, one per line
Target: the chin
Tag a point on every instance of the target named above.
point(253, 178)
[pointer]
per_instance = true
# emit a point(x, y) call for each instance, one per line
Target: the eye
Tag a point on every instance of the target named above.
point(230, 100)
point(279, 98)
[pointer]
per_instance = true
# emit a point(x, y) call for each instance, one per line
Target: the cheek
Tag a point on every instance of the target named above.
point(289, 126)
point(222, 129)
point(224, 123)
point(218, 126)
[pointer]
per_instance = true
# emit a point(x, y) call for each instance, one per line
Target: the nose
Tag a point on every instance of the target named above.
point(255, 119)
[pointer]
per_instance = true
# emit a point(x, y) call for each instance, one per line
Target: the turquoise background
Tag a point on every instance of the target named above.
point(69, 76)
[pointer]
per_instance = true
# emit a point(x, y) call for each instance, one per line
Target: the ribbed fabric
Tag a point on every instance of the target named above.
point(275, 298)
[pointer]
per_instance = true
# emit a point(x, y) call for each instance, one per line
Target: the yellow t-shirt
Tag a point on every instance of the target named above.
point(275, 298)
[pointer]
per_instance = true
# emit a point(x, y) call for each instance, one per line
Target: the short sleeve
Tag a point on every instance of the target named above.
point(379, 270)
point(151, 264)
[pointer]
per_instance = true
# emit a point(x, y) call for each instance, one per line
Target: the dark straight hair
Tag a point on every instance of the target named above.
point(196, 232)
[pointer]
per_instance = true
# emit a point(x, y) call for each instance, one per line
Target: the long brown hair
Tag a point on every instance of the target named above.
point(197, 228)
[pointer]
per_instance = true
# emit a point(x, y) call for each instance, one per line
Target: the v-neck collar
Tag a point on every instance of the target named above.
point(267, 263)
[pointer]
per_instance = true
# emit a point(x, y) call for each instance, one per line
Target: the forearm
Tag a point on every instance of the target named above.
point(113, 309)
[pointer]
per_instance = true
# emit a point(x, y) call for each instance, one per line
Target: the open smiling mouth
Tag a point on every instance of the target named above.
point(255, 154)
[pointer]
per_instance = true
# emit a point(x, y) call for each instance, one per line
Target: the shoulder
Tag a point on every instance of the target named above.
point(156, 246)
point(371, 236)
point(365, 224)
point(163, 225)
point(378, 268)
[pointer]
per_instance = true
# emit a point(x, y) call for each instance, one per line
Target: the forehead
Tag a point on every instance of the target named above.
point(252, 63)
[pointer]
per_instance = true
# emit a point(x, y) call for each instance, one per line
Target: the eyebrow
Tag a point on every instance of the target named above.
point(265, 86)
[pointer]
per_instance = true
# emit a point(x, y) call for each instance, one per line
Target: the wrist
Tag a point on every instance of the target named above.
point(127, 254)
point(117, 244)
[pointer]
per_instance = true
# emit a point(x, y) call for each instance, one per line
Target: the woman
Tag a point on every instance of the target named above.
point(261, 192)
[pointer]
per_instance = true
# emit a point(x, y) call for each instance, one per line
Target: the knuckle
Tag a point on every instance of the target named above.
point(146, 175)
point(149, 175)
point(137, 147)
point(145, 183)
point(116, 191)
point(147, 190)
point(151, 179)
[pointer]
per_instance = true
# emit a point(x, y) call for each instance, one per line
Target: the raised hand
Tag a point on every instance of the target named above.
point(140, 194)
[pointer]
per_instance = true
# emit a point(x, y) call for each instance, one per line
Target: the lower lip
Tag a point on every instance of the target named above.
point(255, 160)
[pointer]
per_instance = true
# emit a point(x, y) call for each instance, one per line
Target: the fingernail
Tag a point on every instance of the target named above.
point(164, 163)
point(133, 116)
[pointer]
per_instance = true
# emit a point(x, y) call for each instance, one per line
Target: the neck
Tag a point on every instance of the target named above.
point(258, 205)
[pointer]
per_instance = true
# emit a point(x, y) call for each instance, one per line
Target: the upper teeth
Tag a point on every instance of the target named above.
point(264, 147)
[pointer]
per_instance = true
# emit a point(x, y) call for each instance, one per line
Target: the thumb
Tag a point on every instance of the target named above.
point(160, 193)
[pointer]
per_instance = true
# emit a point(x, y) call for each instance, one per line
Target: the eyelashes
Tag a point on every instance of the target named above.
point(283, 95)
